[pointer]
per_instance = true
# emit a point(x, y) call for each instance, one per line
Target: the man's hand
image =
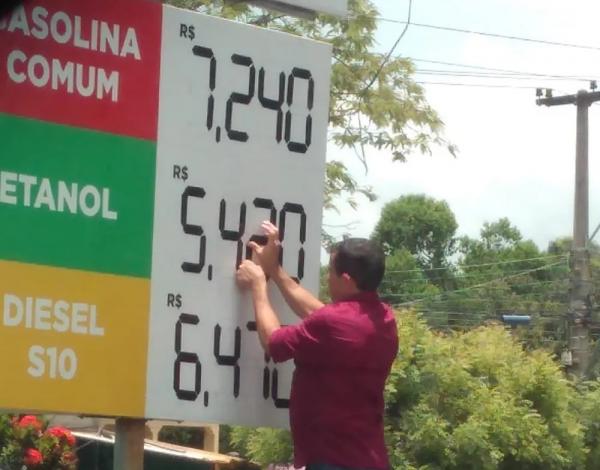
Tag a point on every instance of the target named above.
point(249, 274)
point(268, 255)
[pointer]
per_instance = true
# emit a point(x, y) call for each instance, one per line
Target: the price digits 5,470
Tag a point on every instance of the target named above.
point(283, 127)
point(235, 235)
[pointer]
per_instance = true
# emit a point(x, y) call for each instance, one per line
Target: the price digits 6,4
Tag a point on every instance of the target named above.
point(274, 104)
point(237, 234)
point(228, 360)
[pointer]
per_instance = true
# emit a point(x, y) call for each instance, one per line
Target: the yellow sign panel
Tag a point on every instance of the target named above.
point(67, 336)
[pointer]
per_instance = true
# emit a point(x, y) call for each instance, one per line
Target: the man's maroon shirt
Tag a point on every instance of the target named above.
point(343, 354)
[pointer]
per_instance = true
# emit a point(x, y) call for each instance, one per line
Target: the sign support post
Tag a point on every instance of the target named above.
point(129, 444)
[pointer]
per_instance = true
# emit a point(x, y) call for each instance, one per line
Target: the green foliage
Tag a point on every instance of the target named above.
point(262, 445)
point(471, 401)
point(404, 279)
point(477, 400)
point(421, 225)
point(589, 413)
point(501, 273)
point(324, 285)
point(391, 115)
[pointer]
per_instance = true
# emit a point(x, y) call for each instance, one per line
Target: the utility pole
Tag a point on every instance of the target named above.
point(579, 314)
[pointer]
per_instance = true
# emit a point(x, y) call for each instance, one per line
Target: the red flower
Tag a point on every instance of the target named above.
point(30, 421)
point(32, 457)
point(62, 434)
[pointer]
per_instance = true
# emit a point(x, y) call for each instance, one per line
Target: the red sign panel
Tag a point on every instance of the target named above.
point(94, 65)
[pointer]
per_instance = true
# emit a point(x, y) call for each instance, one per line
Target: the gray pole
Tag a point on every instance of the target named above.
point(129, 444)
point(579, 304)
point(578, 316)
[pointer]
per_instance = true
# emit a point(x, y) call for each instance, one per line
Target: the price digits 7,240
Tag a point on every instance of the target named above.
point(283, 127)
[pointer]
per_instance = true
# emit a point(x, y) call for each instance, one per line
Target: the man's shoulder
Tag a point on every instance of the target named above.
point(322, 314)
point(333, 308)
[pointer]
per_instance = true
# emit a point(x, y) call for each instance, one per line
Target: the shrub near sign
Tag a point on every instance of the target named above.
point(140, 153)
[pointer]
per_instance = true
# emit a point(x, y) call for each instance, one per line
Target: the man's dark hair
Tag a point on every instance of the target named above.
point(363, 260)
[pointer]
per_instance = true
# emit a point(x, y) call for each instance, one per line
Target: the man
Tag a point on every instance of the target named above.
point(343, 352)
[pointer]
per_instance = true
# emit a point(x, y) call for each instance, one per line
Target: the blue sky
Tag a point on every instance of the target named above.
point(515, 159)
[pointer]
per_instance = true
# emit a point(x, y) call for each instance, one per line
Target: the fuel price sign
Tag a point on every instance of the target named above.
point(141, 153)
point(244, 143)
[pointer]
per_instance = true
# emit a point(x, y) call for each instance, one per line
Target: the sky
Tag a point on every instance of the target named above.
point(515, 159)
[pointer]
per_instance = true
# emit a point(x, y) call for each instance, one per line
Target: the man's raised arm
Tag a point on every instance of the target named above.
point(300, 300)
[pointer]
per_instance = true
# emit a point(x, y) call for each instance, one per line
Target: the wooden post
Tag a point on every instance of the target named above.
point(129, 444)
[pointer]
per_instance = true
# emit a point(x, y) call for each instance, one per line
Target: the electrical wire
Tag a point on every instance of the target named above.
point(397, 276)
point(389, 54)
point(492, 35)
point(493, 75)
point(492, 69)
point(494, 263)
point(477, 85)
point(477, 286)
point(489, 288)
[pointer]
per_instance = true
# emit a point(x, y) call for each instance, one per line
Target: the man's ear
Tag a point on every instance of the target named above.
point(349, 279)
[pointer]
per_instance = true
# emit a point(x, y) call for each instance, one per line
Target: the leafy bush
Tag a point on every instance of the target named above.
point(26, 442)
point(477, 400)
point(262, 445)
point(588, 408)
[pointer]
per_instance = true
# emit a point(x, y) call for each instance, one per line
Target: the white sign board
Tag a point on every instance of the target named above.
point(241, 138)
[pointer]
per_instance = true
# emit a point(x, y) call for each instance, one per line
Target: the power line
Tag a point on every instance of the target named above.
point(477, 286)
point(532, 298)
point(476, 317)
point(511, 285)
point(389, 54)
point(508, 74)
point(524, 298)
point(494, 76)
point(476, 85)
point(492, 35)
point(451, 276)
point(492, 69)
point(432, 299)
point(527, 306)
point(494, 263)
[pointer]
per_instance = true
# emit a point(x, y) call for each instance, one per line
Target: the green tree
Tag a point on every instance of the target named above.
point(499, 241)
point(423, 226)
point(477, 400)
point(404, 279)
point(502, 273)
point(374, 100)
